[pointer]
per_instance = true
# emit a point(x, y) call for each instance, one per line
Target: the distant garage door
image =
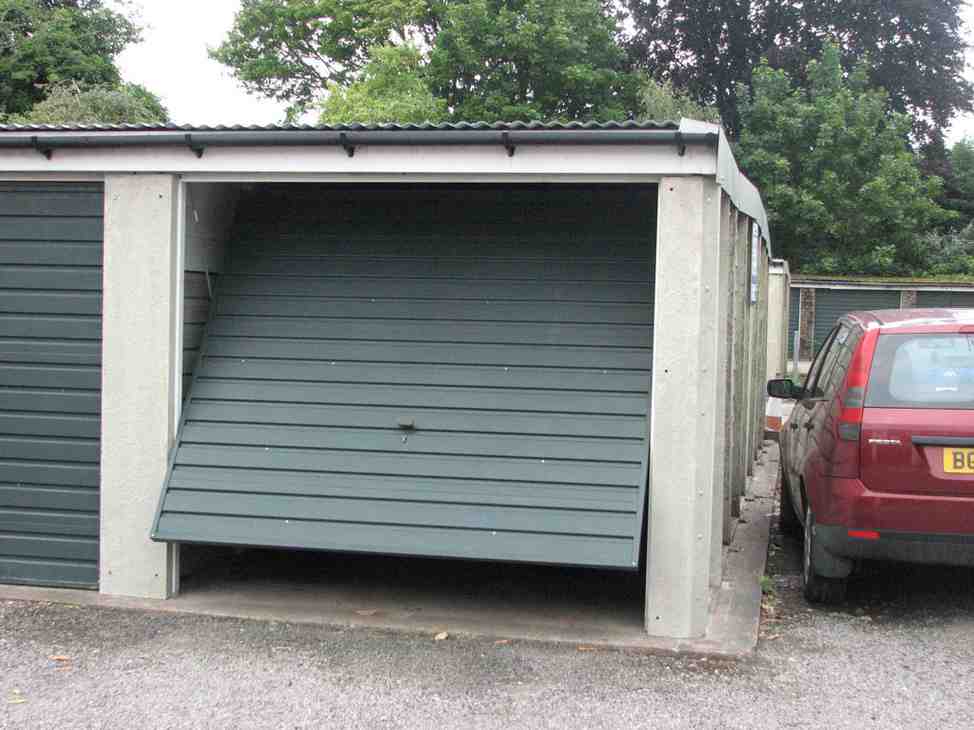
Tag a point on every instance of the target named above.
point(50, 376)
point(457, 372)
point(950, 299)
point(830, 304)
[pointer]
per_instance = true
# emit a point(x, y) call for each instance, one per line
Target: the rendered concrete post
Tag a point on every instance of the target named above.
point(139, 379)
point(779, 303)
point(806, 325)
point(687, 383)
point(908, 299)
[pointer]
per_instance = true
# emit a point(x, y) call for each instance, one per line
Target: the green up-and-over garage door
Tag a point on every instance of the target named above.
point(50, 378)
point(456, 372)
point(950, 299)
point(830, 304)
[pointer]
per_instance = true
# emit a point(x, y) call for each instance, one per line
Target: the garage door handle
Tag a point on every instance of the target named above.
point(406, 424)
point(793, 425)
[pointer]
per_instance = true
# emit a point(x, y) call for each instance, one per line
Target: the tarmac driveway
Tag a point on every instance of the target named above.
point(899, 654)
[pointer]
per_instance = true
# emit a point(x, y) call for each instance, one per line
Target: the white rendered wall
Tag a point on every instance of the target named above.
point(139, 375)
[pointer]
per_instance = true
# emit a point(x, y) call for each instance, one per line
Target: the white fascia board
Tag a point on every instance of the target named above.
point(742, 192)
point(904, 286)
point(392, 162)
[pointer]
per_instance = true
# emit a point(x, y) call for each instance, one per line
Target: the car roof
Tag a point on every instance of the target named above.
point(914, 319)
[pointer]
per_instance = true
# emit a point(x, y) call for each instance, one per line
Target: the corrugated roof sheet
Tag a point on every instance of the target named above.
point(443, 127)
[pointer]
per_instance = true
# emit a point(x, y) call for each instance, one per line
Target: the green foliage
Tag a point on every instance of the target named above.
point(913, 48)
point(72, 104)
point(843, 190)
point(488, 59)
point(291, 50)
point(47, 42)
point(530, 59)
point(659, 101)
point(948, 254)
point(391, 88)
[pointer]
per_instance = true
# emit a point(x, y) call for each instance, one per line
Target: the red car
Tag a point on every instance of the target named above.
point(877, 457)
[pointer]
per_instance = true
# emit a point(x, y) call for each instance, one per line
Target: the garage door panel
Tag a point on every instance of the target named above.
point(49, 473)
point(425, 374)
point(39, 448)
point(553, 268)
point(73, 498)
point(47, 547)
point(588, 335)
point(434, 419)
point(67, 352)
point(400, 512)
point(50, 376)
point(555, 356)
point(399, 287)
point(48, 228)
point(48, 522)
point(27, 199)
point(50, 382)
point(416, 442)
point(584, 550)
point(54, 278)
point(47, 302)
point(418, 465)
point(407, 396)
point(49, 327)
point(513, 335)
point(379, 489)
point(56, 424)
point(51, 401)
point(323, 307)
point(65, 573)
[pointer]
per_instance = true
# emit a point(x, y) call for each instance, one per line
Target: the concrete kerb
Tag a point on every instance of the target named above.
point(732, 631)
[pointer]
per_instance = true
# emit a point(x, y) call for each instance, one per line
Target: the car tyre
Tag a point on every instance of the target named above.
point(817, 588)
point(788, 521)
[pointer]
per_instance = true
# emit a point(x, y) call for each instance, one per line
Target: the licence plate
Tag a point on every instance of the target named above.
point(959, 461)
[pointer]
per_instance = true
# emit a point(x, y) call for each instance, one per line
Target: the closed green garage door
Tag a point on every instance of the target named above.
point(830, 304)
point(50, 374)
point(950, 299)
point(456, 372)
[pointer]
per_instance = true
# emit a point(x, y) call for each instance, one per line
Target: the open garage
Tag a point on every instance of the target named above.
point(517, 343)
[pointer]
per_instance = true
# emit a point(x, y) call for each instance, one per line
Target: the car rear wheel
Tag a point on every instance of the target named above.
point(818, 588)
point(788, 521)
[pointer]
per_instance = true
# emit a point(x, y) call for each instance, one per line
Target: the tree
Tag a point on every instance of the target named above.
point(391, 88)
point(913, 48)
point(47, 42)
point(291, 50)
point(843, 189)
point(72, 104)
point(659, 101)
point(530, 59)
point(487, 59)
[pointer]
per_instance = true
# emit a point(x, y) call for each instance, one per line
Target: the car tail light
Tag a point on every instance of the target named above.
point(852, 398)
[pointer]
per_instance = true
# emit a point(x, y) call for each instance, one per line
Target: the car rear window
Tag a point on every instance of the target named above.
point(922, 371)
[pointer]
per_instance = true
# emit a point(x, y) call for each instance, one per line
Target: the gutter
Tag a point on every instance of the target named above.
point(47, 142)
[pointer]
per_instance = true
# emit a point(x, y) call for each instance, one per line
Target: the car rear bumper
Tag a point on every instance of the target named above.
point(890, 526)
point(908, 547)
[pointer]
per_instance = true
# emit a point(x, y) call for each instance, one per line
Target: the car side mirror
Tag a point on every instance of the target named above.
point(784, 388)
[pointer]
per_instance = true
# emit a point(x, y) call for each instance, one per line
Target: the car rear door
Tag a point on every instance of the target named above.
point(802, 417)
point(918, 420)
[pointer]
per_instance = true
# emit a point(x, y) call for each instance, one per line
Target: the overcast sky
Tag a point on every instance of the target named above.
point(172, 61)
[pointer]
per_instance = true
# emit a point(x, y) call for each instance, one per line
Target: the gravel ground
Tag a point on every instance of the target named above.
point(899, 654)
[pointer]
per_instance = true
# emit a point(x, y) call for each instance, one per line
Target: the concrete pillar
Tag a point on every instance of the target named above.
point(908, 299)
point(683, 425)
point(139, 380)
point(806, 325)
point(779, 302)
point(728, 252)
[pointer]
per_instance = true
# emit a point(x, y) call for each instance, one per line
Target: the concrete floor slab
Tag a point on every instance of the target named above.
point(532, 603)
